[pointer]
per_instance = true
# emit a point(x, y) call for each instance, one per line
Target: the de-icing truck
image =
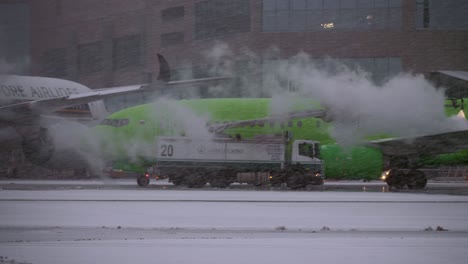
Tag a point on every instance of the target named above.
point(264, 160)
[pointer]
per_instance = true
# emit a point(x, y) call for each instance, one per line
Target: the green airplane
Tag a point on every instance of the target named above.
point(128, 135)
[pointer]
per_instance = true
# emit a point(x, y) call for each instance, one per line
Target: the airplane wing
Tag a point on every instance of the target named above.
point(195, 81)
point(177, 83)
point(218, 128)
point(48, 105)
point(52, 104)
point(428, 144)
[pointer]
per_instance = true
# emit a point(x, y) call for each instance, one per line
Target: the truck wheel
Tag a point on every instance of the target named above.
point(297, 181)
point(219, 183)
point(416, 179)
point(176, 179)
point(195, 180)
point(195, 184)
point(143, 181)
point(277, 178)
point(219, 179)
point(316, 180)
point(396, 179)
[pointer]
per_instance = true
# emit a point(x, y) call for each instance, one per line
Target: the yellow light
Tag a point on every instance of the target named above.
point(385, 175)
point(328, 25)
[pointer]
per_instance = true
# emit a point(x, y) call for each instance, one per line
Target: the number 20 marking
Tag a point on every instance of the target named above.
point(167, 151)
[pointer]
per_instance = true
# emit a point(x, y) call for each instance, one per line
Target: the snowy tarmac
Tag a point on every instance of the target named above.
point(434, 187)
point(234, 226)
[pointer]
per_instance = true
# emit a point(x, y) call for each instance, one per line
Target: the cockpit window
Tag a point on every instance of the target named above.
point(115, 122)
point(306, 149)
point(124, 122)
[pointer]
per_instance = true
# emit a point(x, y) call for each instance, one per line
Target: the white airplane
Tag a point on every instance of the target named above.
point(29, 104)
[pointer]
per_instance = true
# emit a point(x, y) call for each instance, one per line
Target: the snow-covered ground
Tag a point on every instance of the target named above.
point(214, 226)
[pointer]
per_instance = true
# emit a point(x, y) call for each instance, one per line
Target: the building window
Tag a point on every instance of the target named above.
point(90, 58)
point(171, 39)
point(215, 18)
point(172, 13)
point(379, 69)
point(55, 63)
point(126, 52)
point(315, 15)
point(442, 14)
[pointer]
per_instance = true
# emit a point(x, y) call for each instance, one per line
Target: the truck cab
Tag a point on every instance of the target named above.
point(306, 153)
point(305, 157)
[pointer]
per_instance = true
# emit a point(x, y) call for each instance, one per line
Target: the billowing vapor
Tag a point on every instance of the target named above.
point(170, 118)
point(76, 145)
point(166, 117)
point(404, 105)
point(179, 119)
point(6, 68)
point(242, 66)
point(19, 66)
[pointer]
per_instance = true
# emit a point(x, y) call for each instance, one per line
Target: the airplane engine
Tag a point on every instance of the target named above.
point(46, 148)
point(38, 147)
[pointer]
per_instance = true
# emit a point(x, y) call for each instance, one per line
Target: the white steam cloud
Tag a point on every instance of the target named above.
point(6, 68)
point(404, 105)
point(169, 117)
point(172, 119)
point(77, 146)
point(19, 66)
point(179, 119)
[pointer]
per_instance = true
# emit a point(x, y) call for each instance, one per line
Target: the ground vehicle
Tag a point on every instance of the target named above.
point(222, 161)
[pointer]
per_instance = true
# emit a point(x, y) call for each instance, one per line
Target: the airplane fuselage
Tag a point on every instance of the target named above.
point(15, 87)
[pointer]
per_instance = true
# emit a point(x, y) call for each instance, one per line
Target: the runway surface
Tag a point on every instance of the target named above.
point(433, 187)
point(81, 223)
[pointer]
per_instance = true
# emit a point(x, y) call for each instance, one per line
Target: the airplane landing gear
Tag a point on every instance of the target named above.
point(416, 179)
point(398, 179)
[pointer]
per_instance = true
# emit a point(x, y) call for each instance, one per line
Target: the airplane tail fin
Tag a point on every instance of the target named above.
point(164, 69)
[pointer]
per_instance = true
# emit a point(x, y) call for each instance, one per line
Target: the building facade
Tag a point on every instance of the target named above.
point(103, 43)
